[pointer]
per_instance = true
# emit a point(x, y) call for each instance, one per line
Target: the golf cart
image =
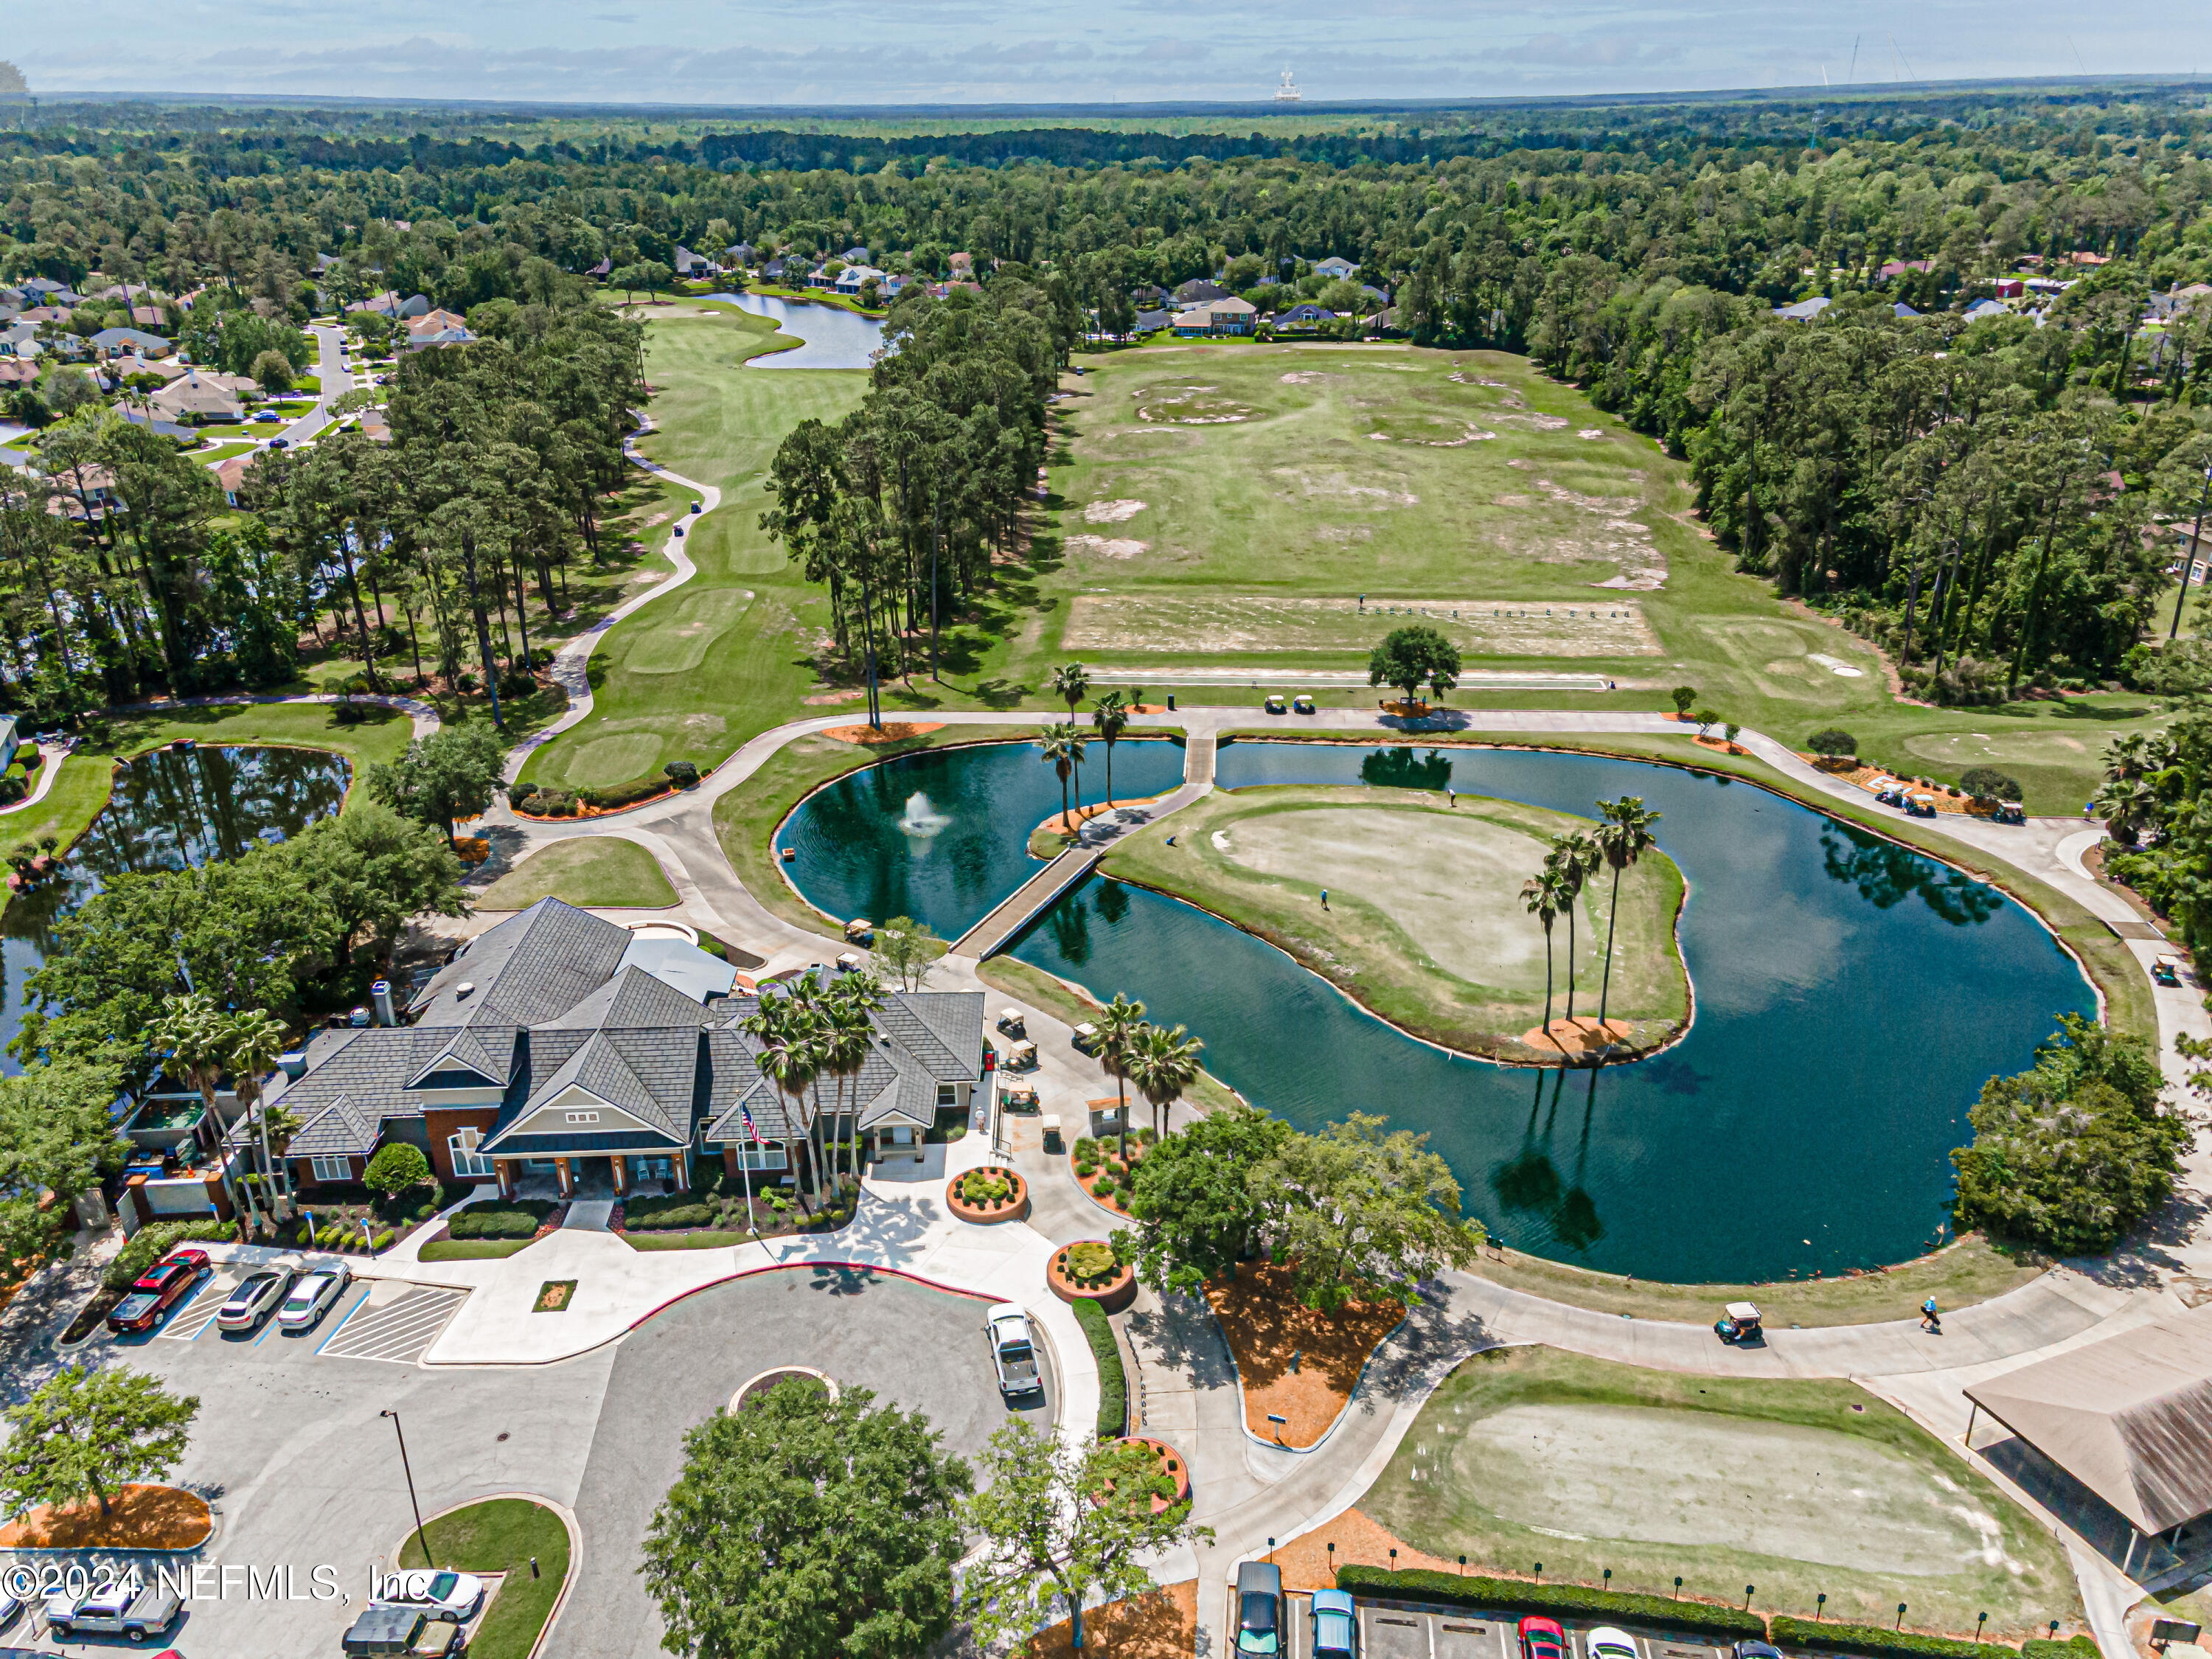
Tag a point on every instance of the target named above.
point(1738, 1323)
point(1013, 1099)
point(1275, 705)
point(2166, 970)
point(1303, 703)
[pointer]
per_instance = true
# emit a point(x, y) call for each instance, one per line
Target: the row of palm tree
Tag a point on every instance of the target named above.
point(202, 1044)
point(1161, 1061)
point(1621, 836)
point(1064, 742)
point(812, 1031)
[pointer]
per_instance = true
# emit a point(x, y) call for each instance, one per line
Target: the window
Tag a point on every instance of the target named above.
point(332, 1169)
point(583, 1117)
point(468, 1162)
point(947, 1095)
point(760, 1158)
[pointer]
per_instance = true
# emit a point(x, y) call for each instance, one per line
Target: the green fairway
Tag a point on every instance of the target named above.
point(1425, 924)
point(602, 871)
point(1801, 1489)
point(730, 654)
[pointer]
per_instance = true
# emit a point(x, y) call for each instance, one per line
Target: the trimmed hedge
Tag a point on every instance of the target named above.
point(1872, 1640)
point(1514, 1595)
point(624, 794)
point(518, 1218)
point(1113, 1385)
point(2074, 1647)
point(151, 1243)
point(658, 1215)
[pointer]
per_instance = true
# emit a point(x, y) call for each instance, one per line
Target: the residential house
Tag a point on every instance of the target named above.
point(558, 1051)
point(231, 474)
point(855, 256)
point(145, 417)
point(604, 269)
point(129, 341)
point(161, 368)
point(21, 339)
point(437, 328)
point(689, 264)
point(1334, 268)
point(2007, 288)
point(2091, 259)
point(150, 316)
point(1902, 309)
point(1983, 311)
point(1303, 316)
point(1149, 322)
point(962, 266)
point(774, 270)
point(1197, 292)
point(194, 399)
point(1145, 296)
point(57, 315)
point(854, 277)
point(1898, 267)
point(44, 292)
point(738, 255)
point(374, 427)
point(1804, 311)
point(1220, 317)
point(389, 304)
point(18, 371)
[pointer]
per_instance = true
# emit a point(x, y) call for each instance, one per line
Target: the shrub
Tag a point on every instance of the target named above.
point(150, 1244)
point(515, 1218)
point(2074, 1647)
point(1987, 783)
point(396, 1168)
point(683, 774)
point(624, 794)
point(1086, 1168)
point(1086, 1147)
point(381, 1242)
point(1113, 1384)
point(1684, 696)
point(1104, 1187)
point(1872, 1640)
point(639, 1218)
point(1512, 1596)
point(1091, 1262)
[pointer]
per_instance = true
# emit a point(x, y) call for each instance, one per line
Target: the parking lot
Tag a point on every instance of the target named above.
point(1395, 1632)
point(379, 1318)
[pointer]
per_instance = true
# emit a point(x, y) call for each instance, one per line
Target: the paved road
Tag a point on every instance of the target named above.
point(336, 381)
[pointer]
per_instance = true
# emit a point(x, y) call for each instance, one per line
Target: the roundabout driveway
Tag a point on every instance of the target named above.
point(919, 1349)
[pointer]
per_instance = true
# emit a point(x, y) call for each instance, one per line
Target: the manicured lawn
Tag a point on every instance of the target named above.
point(1425, 924)
point(601, 871)
point(503, 1535)
point(1801, 1488)
point(731, 653)
point(215, 454)
point(473, 1249)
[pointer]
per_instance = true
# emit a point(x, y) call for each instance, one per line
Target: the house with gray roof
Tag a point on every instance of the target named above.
point(561, 1052)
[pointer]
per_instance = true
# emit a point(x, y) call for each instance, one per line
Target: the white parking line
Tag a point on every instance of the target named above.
point(197, 1315)
point(400, 1330)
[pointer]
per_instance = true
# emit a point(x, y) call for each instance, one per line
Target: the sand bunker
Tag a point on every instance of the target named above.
point(1103, 547)
point(1111, 512)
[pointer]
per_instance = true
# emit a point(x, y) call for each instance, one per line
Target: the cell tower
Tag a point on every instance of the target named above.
point(1288, 93)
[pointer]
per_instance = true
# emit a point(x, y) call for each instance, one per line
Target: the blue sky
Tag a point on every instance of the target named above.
point(880, 51)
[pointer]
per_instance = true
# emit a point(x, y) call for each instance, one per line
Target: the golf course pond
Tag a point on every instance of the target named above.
point(1851, 999)
point(168, 808)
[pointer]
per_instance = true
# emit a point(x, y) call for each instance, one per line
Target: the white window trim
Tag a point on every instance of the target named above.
point(468, 1162)
point(760, 1158)
point(332, 1169)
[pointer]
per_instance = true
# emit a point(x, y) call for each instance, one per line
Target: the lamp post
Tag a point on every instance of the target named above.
point(413, 1502)
point(2189, 558)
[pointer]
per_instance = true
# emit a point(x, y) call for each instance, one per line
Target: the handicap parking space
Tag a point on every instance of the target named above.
point(198, 1312)
point(390, 1320)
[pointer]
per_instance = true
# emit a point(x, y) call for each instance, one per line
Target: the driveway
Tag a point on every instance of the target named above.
point(916, 1348)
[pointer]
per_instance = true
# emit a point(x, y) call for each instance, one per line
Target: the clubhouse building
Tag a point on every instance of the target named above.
point(562, 1055)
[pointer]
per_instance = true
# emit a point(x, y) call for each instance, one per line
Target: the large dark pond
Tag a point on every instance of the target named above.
point(1853, 998)
point(169, 809)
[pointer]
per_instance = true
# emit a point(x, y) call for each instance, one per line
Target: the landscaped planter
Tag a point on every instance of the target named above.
point(1113, 1287)
point(1013, 1206)
point(1172, 1468)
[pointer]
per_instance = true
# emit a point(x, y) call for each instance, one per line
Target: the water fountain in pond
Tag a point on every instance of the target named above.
point(921, 818)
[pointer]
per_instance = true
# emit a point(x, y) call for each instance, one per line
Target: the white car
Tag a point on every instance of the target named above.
point(313, 1294)
point(1607, 1643)
point(455, 1596)
point(256, 1297)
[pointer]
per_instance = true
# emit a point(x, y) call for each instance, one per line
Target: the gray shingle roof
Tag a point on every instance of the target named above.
point(530, 968)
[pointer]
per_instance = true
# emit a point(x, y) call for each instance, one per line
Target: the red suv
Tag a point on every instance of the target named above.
point(1542, 1638)
point(165, 1283)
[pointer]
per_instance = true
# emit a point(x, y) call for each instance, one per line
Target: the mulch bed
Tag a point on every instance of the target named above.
point(1294, 1362)
point(1014, 1207)
point(1112, 1293)
point(1308, 1562)
point(893, 732)
point(1161, 1624)
point(1114, 1201)
point(140, 1517)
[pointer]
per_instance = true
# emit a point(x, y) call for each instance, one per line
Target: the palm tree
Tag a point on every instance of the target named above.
point(191, 1031)
point(1110, 715)
point(1623, 838)
point(251, 1041)
point(1119, 1022)
point(1539, 896)
point(1069, 683)
point(789, 1058)
point(1063, 747)
point(2128, 804)
point(1163, 1065)
point(2124, 758)
point(1572, 859)
point(848, 1038)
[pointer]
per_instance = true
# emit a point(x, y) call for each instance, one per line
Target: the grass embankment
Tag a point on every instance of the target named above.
point(2111, 965)
point(502, 1535)
point(601, 872)
point(731, 653)
point(472, 1250)
point(1802, 1488)
point(746, 818)
point(1071, 1005)
point(1425, 924)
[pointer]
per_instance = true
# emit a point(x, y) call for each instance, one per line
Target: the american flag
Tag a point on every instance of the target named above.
point(748, 1114)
